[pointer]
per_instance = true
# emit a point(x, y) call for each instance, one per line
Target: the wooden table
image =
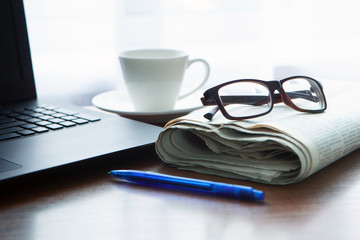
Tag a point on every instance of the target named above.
point(82, 202)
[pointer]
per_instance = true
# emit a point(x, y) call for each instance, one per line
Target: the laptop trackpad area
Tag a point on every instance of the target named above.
point(7, 165)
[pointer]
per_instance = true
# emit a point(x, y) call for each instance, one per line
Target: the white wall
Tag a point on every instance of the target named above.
point(75, 42)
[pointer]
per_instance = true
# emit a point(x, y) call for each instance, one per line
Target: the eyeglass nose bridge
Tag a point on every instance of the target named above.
point(281, 96)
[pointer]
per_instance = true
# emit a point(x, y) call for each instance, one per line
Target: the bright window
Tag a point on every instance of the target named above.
point(75, 42)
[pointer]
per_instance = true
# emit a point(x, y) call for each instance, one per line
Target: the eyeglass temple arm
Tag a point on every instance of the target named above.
point(254, 100)
point(259, 100)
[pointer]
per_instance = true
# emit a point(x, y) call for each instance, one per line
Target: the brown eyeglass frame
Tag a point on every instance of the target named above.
point(211, 97)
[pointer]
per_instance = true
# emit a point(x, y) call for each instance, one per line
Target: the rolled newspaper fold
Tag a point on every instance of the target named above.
point(282, 147)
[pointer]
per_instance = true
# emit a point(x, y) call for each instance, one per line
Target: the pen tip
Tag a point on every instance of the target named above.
point(259, 195)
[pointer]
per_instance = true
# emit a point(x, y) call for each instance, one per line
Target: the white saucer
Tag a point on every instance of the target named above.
point(117, 101)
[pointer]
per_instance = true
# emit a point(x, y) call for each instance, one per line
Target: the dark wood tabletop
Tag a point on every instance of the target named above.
point(81, 201)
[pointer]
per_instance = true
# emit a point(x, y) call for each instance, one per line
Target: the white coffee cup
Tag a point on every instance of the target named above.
point(154, 77)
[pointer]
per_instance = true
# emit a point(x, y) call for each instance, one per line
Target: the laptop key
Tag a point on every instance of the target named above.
point(9, 136)
point(46, 117)
point(58, 115)
point(11, 124)
point(40, 129)
point(80, 121)
point(43, 123)
point(67, 124)
point(88, 117)
point(10, 130)
point(36, 115)
point(56, 120)
point(13, 114)
point(33, 120)
point(26, 112)
point(69, 118)
point(26, 132)
point(6, 120)
point(37, 109)
point(23, 117)
point(49, 112)
point(54, 126)
point(29, 126)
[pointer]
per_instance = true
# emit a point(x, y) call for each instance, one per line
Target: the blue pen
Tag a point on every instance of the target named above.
point(162, 180)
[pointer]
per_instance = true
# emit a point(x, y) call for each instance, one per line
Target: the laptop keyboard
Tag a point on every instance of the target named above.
point(39, 119)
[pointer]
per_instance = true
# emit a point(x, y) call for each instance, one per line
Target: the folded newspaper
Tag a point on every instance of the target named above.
point(282, 147)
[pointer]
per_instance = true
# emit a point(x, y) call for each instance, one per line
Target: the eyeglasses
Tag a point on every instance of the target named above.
point(250, 98)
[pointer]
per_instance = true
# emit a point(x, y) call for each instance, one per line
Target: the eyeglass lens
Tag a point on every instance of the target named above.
point(245, 99)
point(304, 93)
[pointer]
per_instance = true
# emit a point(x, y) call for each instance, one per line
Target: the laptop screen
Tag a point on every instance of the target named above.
point(16, 74)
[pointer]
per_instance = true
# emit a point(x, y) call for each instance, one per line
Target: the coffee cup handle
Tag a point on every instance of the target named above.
point(207, 73)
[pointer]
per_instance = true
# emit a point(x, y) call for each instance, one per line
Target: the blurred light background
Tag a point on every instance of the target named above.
point(75, 43)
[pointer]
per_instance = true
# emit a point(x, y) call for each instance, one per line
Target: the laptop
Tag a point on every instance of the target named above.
point(35, 136)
